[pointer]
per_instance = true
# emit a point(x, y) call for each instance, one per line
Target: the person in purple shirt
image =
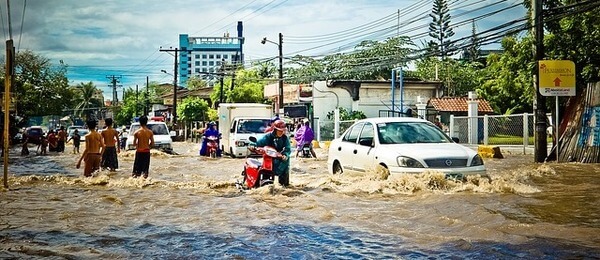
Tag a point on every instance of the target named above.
point(305, 135)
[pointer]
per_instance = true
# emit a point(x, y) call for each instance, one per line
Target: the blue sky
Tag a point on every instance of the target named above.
point(100, 38)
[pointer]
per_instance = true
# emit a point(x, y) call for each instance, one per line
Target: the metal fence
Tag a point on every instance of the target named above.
point(494, 129)
point(517, 129)
point(326, 129)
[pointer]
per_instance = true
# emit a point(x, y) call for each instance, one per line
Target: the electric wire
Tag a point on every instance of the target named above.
point(22, 22)
point(423, 26)
point(389, 31)
point(2, 17)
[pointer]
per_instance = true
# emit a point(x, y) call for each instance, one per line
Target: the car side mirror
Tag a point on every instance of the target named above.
point(455, 139)
point(172, 133)
point(366, 142)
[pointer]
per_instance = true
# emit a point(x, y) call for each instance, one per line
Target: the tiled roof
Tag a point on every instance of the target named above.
point(458, 104)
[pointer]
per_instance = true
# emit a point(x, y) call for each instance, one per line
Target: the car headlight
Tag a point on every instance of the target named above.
point(477, 161)
point(240, 143)
point(404, 161)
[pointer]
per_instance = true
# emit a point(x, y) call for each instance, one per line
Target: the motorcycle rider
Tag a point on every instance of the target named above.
point(305, 135)
point(281, 142)
point(211, 130)
point(269, 128)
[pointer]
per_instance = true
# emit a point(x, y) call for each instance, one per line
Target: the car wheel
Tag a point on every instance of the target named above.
point(231, 152)
point(337, 168)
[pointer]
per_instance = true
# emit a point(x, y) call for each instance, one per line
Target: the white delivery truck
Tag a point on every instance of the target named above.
point(239, 121)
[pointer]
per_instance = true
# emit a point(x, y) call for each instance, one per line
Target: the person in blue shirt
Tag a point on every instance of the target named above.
point(211, 130)
point(281, 142)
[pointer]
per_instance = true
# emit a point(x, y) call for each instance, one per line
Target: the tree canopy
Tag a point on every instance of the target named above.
point(40, 87)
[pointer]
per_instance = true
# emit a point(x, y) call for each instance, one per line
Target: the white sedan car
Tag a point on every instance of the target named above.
point(401, 145)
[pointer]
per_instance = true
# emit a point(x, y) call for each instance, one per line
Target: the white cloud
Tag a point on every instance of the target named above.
point(124, 36)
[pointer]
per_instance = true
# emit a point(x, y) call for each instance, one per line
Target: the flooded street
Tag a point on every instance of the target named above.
point(190, 208)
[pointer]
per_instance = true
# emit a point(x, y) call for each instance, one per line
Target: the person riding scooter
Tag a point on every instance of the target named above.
point(278, 140)
point(210, 131)
point(304, 137)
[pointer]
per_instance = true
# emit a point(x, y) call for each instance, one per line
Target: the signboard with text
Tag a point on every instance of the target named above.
point(557, 77)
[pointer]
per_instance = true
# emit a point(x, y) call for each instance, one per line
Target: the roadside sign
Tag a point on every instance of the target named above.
point(557, 77)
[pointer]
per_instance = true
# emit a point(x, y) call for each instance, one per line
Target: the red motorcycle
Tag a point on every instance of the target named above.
point(212, 146)
point(259, 173)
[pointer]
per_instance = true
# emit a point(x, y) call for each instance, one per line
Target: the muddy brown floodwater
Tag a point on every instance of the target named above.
point(190, 208)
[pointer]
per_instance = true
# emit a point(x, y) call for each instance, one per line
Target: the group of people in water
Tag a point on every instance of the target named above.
point(101, 149)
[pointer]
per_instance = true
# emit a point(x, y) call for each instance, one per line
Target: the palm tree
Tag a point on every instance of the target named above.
point(87, 101)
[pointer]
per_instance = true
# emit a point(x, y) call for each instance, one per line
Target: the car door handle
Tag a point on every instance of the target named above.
point(355, 151)
point(339, 148)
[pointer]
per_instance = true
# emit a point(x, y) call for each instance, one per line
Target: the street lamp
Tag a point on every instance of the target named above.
point(174, 112)
point(264, 40)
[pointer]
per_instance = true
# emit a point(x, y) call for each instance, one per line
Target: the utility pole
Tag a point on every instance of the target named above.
point(221, 76)
point(113, 83)
point(136, 99)
point(8, 76)
point(147, 100)
point(174, 112)
point(280, 71)
point(541, 142)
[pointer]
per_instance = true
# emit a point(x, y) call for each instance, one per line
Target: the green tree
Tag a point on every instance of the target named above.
point(195, 82)
point(131, 107)
point(40, 87)
point(473, 49)
point(371, 60)
point(192, 109)
point(458, 77)
point(347, 114)
point(248, 88)
point(575, 37)
point(87, 103)
point(439, 28)
point(507, 81)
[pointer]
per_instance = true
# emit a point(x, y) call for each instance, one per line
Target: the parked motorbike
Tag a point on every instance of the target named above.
point(258, 173)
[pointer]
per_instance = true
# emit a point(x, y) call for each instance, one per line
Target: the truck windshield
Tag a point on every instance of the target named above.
point(252, 126)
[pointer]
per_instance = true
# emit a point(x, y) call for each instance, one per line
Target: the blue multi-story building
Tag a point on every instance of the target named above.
point(203, 56)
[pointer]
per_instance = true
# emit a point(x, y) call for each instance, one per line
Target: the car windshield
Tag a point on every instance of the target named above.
point(81, 132)
point(410, 132)
point(34, 132)
point(252, 126)
point(157, 129)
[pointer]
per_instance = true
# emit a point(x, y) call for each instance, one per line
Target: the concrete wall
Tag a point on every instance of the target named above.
point(373, 96)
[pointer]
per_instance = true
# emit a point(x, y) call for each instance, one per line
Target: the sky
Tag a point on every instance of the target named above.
point(101, 38)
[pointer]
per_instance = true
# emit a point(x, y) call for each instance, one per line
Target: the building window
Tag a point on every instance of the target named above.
point(218, 56)
point(211, 70)
point(204, 56)
point(204, 70)
point(197, 70)
point(211, 56)
point(225, 56)
point(211, 63)
point(197, 56)
point(204, 63)
point(197, 63)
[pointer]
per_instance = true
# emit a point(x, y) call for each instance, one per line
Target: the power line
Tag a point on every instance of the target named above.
point(22, 22)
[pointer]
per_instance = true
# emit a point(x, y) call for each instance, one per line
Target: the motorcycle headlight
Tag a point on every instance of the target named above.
point(404, 161)
point(477, 161)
